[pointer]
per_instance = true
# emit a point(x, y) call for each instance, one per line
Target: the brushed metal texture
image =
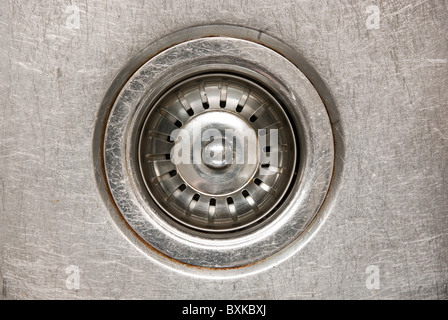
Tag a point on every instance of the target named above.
point(390, 208)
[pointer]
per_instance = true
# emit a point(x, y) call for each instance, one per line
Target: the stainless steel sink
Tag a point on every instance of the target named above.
point(363, 217)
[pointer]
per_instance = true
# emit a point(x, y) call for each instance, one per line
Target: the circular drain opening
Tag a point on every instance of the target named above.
point(217, 152)
point(218, 215)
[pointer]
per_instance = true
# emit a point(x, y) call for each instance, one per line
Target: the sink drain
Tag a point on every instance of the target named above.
point(217, 150)
point(224, 179)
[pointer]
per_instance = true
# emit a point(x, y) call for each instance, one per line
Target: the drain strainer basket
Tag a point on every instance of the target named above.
point(227, 131)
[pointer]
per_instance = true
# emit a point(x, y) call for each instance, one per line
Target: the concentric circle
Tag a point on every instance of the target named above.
point(218, 214)
point(217, 152)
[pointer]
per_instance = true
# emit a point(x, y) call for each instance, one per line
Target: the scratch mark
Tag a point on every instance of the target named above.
point(4, 287)
point(27, 67)
point(437, 60)
point(405, 8)
point(3, 194)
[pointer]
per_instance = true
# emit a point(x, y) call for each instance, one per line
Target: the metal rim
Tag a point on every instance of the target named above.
point(276, 240)
point(228, 191)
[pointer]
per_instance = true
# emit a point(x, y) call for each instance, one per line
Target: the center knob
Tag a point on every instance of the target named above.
point(217, 154)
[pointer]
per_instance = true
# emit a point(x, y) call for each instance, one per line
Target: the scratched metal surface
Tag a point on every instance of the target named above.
point(390, 85)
